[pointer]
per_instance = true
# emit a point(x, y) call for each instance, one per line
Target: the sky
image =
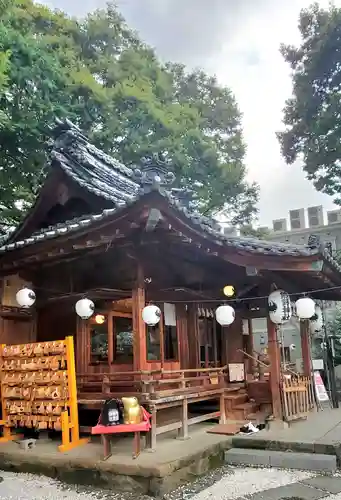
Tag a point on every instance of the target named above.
point(238, 41)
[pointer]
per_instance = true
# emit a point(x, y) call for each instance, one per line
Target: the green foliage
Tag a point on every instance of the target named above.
point(98, 73)
point(261, 233)
point(334, 330)
point(4, 64)
point(312, 115)
point(334, 327)
point(219, 165)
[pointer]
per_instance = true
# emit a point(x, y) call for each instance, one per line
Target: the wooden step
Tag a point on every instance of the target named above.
point(241, 411)
point(258, 417)
point(236, 396)
point(232, 389)
point(249, 405)
point(229, 429)
point(233, 400)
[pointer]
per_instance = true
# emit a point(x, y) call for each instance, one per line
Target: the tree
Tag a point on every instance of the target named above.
point(4, 63)
point(220, 123)
point(312, 115)
point(98, 73)
point(41, 82)
point(334, 331)
point(261, 233)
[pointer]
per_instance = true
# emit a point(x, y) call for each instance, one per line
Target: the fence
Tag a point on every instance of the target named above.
point(297, 397)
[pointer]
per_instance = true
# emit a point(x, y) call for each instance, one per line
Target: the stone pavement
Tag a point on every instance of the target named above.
point(309, 489)
point(319, 433)
point(229, 483)
point(272, 484)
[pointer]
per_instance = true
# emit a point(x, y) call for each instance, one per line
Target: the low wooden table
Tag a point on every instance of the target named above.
point(107, 430)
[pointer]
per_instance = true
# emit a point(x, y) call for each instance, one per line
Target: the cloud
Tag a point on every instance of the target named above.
point(239, 42)
point(185, 30)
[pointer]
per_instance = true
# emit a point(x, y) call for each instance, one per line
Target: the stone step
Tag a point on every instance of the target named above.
point(281, 459)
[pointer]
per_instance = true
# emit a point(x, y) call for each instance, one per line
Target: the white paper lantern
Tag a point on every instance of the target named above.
point(85, 308)
point(225, 315)
point(279, 305)
point(316, 321)
point(151, 315)
point(25, 297)
point(305, 308)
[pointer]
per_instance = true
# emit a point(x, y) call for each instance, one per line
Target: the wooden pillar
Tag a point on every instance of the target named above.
point(250, 362)
point(83, 345)
point(305, 346)
point(224, 346)
point(139, 327)
point(234, 335)
point(183, 431)
point(182, 334)
point(193, 336)
point(250, 344)
point(275, 369)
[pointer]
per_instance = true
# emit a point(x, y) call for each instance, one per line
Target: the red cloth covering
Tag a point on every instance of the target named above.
point(144, 426)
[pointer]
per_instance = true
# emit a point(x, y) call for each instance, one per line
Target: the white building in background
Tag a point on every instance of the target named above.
point(296, 228)
point(303, 223)
point(289, 332)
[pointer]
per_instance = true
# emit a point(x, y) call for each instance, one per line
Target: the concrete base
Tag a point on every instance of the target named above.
point(276, 425)
point(281, 459)
point(319, 434)
point(174, 462)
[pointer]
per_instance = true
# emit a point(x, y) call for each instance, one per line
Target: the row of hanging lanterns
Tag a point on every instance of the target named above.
point(279, 304)
point(281, 309)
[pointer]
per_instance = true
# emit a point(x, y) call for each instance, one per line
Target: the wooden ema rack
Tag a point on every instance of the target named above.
point(38, 390)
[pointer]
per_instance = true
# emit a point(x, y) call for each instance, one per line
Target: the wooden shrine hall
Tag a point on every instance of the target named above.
point(124, 238)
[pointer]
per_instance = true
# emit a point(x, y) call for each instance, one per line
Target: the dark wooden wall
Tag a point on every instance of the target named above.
point(55, 322)
point(233, 338)
point(17, 330)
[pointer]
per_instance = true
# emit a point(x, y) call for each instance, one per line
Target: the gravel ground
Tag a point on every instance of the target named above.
point(248, 481)
point(223, 484)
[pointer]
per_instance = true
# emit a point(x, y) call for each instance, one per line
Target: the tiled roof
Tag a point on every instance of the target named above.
point(60, 229)
point(91, 168)
point(106, 177)
point(204, 224)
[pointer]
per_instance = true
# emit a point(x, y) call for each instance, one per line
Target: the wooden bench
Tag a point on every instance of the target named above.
point(105, 431)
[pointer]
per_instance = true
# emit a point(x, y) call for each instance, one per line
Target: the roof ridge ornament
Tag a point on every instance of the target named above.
point(154, 174)
point(64, 133)
point(315, 242)
point(185, 196)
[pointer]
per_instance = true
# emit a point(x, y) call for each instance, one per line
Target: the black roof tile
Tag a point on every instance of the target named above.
point(106, 177)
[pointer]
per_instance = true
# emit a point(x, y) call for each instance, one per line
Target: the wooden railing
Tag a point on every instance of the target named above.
point(99, 386)
point(259, 370)
point(160, 390)
point(151, 384)
point(297, 397)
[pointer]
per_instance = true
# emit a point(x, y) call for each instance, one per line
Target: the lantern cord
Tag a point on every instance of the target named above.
point(204, 301)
